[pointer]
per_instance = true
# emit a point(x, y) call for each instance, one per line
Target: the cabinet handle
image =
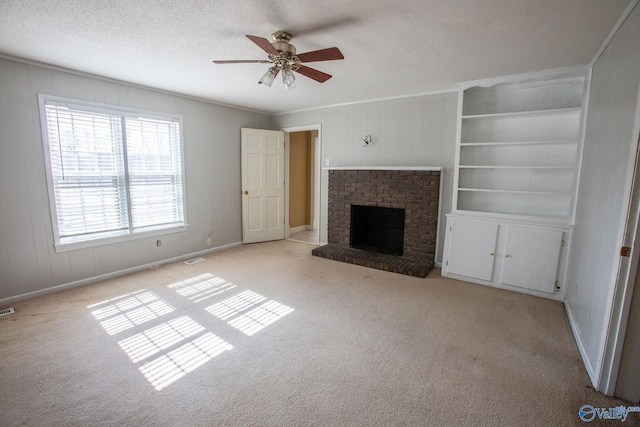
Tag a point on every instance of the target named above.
point(491, 254)
point(507, 255)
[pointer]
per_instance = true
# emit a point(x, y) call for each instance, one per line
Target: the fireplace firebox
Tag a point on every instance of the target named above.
point(377, 229)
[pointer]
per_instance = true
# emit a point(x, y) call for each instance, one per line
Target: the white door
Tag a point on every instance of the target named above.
point(472, 248)
point(531, 258)
point(262, 185)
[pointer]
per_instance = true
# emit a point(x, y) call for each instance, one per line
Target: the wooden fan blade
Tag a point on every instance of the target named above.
point(243, 61)
point(314, 74)
point(264, 44)
point(329, 54)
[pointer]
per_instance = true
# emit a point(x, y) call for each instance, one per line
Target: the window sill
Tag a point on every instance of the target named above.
point(119, 238)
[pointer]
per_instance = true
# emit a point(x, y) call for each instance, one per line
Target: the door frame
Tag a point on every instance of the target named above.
point(627, 269)
point(317, 168)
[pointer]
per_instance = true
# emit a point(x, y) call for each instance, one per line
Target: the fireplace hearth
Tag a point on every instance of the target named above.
point(382, 218)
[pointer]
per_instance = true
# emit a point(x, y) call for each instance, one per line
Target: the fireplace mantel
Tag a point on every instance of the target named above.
point(385, 168)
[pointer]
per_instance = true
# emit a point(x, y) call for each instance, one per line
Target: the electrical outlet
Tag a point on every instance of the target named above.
point(209, 242)
point(209, 231)
point(575, 290)
point(158, 243)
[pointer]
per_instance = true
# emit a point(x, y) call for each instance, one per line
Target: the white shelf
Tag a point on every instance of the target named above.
point(518, 217)
point(523, 219)
point(516, 167)
point(528, 192)
point(551, 112)
point(523, 143)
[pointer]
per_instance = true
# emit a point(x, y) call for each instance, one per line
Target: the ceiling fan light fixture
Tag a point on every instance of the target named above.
point(283, 57)
point(288, 78)
point(268, 77)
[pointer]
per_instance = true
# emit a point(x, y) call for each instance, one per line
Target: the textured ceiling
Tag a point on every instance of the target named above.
point(391, 48)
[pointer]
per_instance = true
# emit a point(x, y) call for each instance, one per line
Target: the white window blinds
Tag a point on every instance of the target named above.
point(111, 173)
point(155, 173)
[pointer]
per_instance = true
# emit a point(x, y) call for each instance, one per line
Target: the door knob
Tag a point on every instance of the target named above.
point(246, 192)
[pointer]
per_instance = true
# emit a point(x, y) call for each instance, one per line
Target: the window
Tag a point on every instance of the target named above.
point(111, 172)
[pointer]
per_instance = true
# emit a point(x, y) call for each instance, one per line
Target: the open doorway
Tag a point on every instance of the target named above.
point(303, 182)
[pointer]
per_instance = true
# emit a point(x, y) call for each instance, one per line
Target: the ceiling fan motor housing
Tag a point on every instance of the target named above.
point(281, 42)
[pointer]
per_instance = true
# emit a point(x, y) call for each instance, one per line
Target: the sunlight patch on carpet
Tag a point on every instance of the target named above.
point(260, 317)
point(235, 305)
point(129, 310)
point(147, 343)
point(177, 363)
point(249, 322)
point(201, 287)
point(165, 352)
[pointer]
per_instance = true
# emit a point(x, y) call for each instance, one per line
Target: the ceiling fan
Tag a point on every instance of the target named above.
point(282, 54)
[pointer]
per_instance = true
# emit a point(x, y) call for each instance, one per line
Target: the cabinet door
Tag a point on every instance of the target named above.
point(472, 248)
point(531, 258)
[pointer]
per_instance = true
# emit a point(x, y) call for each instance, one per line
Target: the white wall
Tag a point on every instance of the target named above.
point(414, 131)
point(28, 262)
point(609, 145)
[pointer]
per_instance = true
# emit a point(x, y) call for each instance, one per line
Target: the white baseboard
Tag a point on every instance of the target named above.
point(555, 296)
point(298, 228)
point(581, 349)
point(105, 276)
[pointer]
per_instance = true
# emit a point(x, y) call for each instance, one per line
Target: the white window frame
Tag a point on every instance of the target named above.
point(107, 237)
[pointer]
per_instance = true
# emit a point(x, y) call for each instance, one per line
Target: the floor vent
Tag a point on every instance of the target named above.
point(6, 312)
point(194, 261)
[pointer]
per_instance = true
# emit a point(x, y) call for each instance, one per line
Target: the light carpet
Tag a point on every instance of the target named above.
point(268, 335)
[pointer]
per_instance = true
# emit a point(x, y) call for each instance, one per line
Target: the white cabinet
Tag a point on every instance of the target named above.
point(475, 247)
point(503, 254)
point(531, 258)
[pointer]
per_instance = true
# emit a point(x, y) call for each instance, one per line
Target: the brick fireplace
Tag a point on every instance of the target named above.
point(415, 191)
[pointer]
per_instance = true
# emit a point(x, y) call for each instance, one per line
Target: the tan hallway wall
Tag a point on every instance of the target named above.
point(299, 178)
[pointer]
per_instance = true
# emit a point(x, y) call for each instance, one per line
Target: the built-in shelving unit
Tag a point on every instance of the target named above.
point(515, 181)
point(518, 148)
